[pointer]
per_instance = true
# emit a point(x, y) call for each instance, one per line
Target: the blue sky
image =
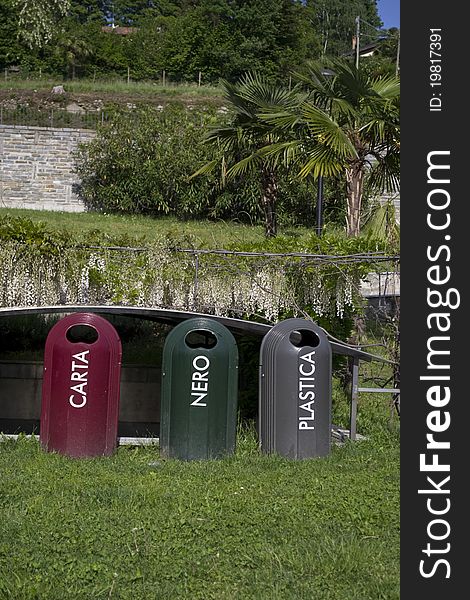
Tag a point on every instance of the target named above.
point(389, 11)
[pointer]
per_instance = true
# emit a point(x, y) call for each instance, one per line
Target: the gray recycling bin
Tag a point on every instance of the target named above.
point(199, 391)
point(295, 390)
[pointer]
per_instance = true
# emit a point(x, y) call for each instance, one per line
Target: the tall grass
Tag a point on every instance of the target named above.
point(120, 86)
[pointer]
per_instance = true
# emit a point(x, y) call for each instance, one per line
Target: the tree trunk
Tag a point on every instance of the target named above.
point(269, 191)
point(355, 181)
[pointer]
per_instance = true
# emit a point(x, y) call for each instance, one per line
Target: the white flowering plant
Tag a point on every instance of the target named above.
point(318, 279)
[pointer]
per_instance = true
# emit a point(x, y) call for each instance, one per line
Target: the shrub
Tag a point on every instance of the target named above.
point(139, 163)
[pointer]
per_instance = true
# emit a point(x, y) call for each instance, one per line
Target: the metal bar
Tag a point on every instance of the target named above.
point(164, 315)
point(383, 390)
point(122, 441)
point(346, 350)
point(354, 393)
point(196, 279)
point(375, 257)
point(138, 441)
point(358, 35)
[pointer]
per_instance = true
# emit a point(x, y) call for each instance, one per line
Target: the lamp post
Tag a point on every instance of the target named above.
point(319, 207)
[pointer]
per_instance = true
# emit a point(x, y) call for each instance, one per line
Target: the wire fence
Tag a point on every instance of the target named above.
point(53, 117)
point(381, 286)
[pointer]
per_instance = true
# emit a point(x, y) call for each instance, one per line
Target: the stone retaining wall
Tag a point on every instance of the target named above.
point(36, 167)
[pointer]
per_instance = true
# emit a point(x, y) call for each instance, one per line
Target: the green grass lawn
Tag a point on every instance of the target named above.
point(142, 230)
point(135, 526)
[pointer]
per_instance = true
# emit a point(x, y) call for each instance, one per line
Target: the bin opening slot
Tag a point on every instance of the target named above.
point(82, 333)
point(200, 338)
point(304, 337)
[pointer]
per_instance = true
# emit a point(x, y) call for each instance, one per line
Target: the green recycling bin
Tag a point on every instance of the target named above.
point(199, 391)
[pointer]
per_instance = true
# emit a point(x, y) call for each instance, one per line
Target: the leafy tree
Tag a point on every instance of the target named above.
point(11, 50)
point(269, 31)
point(84, 13)
point(144, 50)
point(110, 52)
point(274, 37)
point(224, 39)
point(129, 13)
point(182, 39)
point(384, 60)
point(72, 45)
point(37, 19)
point(334, 20)
point(219, 38)
point(348, 123)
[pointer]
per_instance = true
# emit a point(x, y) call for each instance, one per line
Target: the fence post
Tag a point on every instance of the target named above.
point(196, 279)
point(163, 78)
point(354, 394)
point(199, 79)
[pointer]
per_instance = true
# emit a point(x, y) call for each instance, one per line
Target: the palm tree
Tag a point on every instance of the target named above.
point(347, 123)
point(238, 144)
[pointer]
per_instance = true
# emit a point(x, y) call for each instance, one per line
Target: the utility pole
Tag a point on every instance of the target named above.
point(358, 32)
point(397, 69)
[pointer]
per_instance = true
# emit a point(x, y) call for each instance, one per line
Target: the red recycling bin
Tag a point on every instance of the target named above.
point(80, 391)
